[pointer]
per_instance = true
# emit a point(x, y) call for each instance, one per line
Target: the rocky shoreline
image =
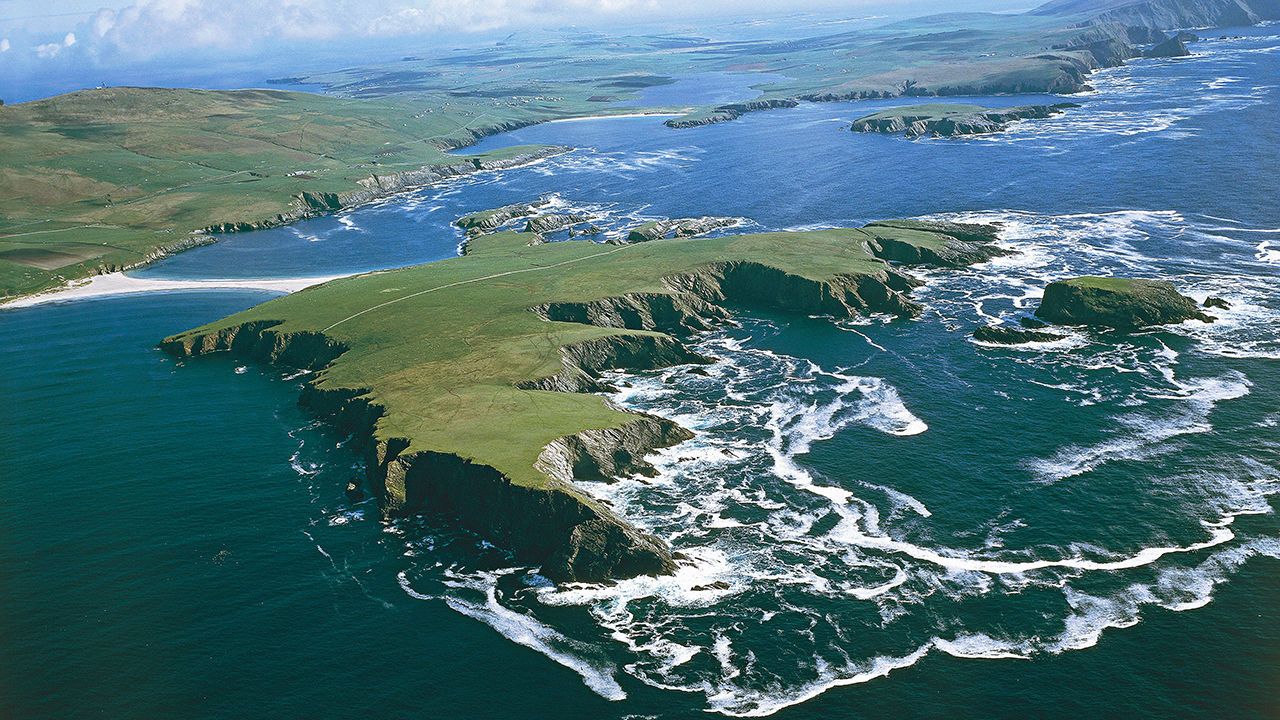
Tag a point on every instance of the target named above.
point(572, 536)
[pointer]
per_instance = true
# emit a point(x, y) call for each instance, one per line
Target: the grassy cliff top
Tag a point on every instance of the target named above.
point(925, 111)
point(443, 346)
point(1113, 284)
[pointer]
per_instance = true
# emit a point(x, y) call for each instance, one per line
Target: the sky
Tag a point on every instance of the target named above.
point(51, 46)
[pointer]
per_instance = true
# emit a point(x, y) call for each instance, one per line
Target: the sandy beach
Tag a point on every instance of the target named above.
point(122, 284)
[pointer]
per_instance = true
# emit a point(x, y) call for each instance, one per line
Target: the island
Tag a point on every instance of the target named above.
point(468, 383)
point(952, 120)
point(1119, 303)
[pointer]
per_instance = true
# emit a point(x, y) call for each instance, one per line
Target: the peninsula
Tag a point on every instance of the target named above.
point(468, 381)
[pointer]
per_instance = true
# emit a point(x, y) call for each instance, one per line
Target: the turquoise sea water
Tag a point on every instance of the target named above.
point(901, 522)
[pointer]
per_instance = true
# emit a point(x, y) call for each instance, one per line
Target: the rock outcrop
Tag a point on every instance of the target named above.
point(952, 120)
point(1012, 336)
point(1174, 47)
point(936, 244)
point(490, 220)
point(554, 221)
point(679, 227)
point(1121, 303)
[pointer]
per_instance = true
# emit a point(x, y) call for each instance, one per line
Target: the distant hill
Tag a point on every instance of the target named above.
point(1166, 14)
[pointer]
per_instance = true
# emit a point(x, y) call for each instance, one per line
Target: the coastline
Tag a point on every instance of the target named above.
point(118, 283)
point(383, 188)
point(376, 188)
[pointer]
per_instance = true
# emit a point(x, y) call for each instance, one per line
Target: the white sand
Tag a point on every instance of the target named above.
point(614, 117)
point(121, 284)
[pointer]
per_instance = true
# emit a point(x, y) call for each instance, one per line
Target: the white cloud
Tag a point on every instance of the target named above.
point(49, 50)
point(148, 27)
point(4, 45)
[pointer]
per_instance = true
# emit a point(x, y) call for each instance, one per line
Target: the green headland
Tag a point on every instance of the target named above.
point(470, 379)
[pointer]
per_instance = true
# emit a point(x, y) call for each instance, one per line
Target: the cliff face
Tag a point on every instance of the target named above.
point(1167, 14)
point(673, 314)
point(158, 253)
point(573, 536)
point(760, 285)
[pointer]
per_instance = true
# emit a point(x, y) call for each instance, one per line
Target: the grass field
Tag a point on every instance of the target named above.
point(100, 179)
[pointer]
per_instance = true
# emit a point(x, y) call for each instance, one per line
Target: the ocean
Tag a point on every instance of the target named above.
point(882, 518)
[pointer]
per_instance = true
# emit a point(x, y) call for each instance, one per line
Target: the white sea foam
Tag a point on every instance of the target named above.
point(704, 484)
point(1141, 436)
point(740, 702)
point(524, 629)
point(302, 234)
point(1268, 253)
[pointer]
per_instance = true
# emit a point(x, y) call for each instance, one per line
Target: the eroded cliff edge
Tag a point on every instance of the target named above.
point(464, 468)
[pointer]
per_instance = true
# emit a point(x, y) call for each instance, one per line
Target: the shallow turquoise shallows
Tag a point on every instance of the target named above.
point(883, 519)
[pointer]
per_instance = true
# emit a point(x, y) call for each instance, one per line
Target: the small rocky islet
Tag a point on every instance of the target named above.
point(1119, 303)
point(1125, 304)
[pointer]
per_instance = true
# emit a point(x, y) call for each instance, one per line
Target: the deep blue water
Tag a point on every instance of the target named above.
point(908, 524)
